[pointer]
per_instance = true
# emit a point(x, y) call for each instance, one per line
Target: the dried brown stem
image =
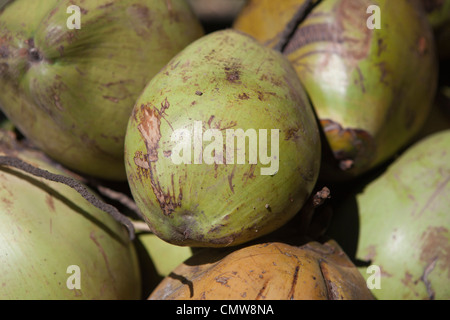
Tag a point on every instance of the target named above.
point(74, 184)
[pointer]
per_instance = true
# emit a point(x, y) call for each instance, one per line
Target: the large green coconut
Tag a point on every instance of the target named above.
point(70, 91)
point(222, 146)
point(400, 222)
point(369, 67)
point(56, 245)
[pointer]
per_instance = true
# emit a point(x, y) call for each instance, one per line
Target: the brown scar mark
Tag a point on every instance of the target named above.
point(371, 254)
point(216, 166)
point(112, 99)
point(167, 153)
point(169, 5)
point(244, 96)
point(7, 201)
point(384, 72)
point(106, 5)
point(58, 102)
point(141, 19)
point(222, 280)
point(50, 202)
point(230, 125)
point(250, 174)
point(430, 267)
point(407, 279)
point(292, 134)
point(294, 283)
point(4, 51)
point(260, 294)
point(422, 45)
point(149, 129)
point(439, 189)
point(381, 46)
point(52, 13)
point(82, 73)
point(230, 179)
point(233, 74)
point(167, 201)
point(120, 82)
point(216, 228)
point(174, 65)
point(435, 245)
point(83, 11)
point(164, 106)
point(262, 95)
point(210, 120)
point(361, 80)
point(102, 252)
point(141, 162)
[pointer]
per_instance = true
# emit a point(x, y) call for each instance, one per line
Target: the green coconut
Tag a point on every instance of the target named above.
point(55, 245)
point(70, 90)
point(400, 223)
point(222, 146)
point(369, 67)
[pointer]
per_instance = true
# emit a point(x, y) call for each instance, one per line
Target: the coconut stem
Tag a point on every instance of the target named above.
point(118, 196)
point(74, 184)
point(292, 25)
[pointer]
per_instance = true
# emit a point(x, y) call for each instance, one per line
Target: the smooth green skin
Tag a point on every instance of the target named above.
point(400, 221)
point(75, 103)
point(45, 227)
point(380, 81)
point(244, 86)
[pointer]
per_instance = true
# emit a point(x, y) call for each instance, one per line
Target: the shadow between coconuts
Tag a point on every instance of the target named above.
point(308, 225)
